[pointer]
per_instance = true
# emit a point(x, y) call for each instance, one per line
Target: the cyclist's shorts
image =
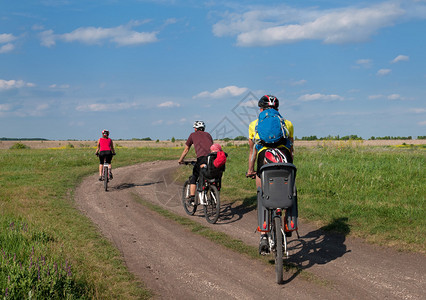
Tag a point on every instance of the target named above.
point(196, 171)
point(105, 154)
point(261, 158)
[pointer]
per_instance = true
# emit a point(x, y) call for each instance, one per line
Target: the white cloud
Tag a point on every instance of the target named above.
point(319, 97)
point(106, 106)
point(122, 35)
point(7, 48)
point(283, 24)
point(5, 107)
point(168, 104)
point(422, 123)
point(14, 84)
point(373, 97)
point(6, 38)
point(364, 62)
point(400, 58)
point(395, 97)
point(47, 38)
point(418, 110)
point(389, 97)
point(300, 82)
point(229, 91)
point(157, 122)
point(250, 103)
point(62, 86)
point(383, 72)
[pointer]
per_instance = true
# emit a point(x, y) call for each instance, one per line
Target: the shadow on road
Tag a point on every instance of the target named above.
point(230, 214)
point(124, 186)
point(320, 246)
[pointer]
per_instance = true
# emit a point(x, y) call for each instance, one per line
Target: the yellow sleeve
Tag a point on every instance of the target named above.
point(290, 128)
point(252, 129)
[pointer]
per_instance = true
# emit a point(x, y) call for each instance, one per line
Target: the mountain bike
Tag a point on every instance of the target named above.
point(105, 174)
point(277, 194)
point(207, 195)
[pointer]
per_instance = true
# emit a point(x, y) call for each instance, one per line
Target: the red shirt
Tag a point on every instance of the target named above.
point(105, 144)
point(202, 141)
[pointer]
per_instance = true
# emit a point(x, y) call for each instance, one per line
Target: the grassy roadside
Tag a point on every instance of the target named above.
point(379, 191)
point(48, 249)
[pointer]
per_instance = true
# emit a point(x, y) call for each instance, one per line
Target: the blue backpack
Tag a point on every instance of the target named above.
point(271, 127)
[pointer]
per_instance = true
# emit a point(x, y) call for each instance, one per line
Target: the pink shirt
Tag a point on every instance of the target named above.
point(105, 144)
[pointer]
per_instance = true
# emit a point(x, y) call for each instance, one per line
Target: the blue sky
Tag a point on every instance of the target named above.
point(149, 68)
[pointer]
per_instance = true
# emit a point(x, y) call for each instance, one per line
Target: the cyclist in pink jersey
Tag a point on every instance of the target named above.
point(105, 150)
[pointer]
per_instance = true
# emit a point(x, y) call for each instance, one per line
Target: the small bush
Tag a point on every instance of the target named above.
point(19, 146)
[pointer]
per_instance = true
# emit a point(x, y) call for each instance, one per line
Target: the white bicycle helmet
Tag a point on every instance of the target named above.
point(199, 125)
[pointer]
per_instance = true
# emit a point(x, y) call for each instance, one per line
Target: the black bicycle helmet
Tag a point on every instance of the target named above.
point(269, 101)
point(105, 132)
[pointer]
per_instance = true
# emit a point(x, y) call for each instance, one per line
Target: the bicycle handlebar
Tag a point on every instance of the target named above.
point(251, 176)
point(191, 162)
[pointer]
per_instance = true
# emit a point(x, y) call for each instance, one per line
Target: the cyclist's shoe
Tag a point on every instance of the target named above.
point(191, 200)
point(110, 175)
point(264, 245)
point(288, 233)
point(100, 178)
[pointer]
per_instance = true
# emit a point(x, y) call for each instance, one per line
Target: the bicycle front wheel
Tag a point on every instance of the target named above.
point(189, 207)
point(106, 178)
point(212, 208)
point(279, 249)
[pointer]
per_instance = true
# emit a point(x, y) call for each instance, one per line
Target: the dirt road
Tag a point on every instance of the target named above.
point(175, 263)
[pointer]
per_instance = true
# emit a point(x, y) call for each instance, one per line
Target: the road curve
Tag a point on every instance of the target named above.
point(175, 263)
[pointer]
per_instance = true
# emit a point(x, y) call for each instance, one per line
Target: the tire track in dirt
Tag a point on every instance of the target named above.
point(175, 263)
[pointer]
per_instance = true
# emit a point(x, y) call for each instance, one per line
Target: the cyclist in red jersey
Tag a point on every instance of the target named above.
point(202, 142)
point(105, 150)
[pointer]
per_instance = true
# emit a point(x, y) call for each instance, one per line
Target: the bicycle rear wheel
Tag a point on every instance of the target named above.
point(212, 208)
point(190, 208)
point(106, 178)
point(279, 249)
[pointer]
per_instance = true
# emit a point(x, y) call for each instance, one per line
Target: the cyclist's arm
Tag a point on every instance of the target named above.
point(112, 147)
point(252, 157)
point(98, 147)
point(184, 153)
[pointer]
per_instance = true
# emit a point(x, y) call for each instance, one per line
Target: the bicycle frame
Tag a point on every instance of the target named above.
point(208, 197)
point(276, 213)
point(105, 174)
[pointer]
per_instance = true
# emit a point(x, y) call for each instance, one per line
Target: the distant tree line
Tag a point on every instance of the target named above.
point(22, 139)
point(330, 137)
point(355, 137)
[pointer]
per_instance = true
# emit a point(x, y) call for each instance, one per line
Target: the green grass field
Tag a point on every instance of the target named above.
point(49, 250)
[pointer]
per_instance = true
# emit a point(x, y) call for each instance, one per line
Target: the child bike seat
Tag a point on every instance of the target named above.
point(278, 185)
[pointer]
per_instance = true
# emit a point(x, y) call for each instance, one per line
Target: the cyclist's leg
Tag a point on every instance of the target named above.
point(194, 177)
point(196, 173)
point(108, 160)
point(262, 212)
point(263, 222)
point(101, 164)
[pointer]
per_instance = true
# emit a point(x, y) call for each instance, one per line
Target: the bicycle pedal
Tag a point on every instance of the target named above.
point(264, 252)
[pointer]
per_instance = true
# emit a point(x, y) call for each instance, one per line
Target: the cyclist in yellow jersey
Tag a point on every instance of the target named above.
point(258, 151)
